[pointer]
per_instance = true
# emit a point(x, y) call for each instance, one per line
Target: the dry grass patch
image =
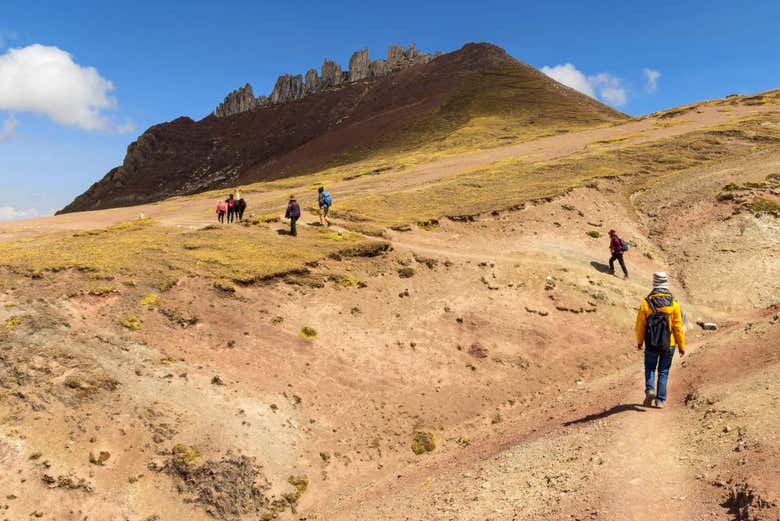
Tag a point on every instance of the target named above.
point(512, 182)
point(161, 255)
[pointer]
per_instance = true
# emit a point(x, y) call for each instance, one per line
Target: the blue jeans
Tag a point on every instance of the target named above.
point(660, 361)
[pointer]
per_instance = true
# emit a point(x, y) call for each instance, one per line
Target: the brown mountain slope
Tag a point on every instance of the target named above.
point(478, 87)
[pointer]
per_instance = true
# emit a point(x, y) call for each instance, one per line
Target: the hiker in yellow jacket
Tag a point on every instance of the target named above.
point(659, 327)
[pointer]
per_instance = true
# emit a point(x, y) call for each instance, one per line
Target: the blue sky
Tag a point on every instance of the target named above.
point(165, 59)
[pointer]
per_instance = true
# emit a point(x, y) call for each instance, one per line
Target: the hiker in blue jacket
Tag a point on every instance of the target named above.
point(325, 202)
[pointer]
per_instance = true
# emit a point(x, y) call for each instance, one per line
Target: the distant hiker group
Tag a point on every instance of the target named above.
point(293, 212)
point(232, 208)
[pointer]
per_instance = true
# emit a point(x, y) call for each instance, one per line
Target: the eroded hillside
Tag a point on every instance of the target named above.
point(457, 352)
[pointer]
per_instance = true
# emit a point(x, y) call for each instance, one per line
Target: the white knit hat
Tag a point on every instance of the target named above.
point(660, 280)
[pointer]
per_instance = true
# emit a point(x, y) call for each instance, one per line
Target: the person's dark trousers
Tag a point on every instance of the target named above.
point(659, 361)
point(293, 229)
point(619, 258)
point(221, 217)
point(230, 215)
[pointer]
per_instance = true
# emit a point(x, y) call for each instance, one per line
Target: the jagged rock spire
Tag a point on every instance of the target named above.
point(291, 87)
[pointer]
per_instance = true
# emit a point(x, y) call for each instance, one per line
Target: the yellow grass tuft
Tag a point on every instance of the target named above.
point(131, 323)
point(152, 299)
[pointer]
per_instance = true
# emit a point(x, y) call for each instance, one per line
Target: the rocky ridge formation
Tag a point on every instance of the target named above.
point(291, 87)
point(240, 100)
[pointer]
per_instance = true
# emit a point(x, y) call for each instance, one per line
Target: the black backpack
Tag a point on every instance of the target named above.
point(658, 337)
point(623, 245)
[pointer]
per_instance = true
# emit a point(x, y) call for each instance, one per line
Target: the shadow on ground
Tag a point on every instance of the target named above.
point(604, 414)
point(600, 266)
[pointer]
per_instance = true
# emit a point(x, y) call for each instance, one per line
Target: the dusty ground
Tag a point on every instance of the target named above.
point(505, 338)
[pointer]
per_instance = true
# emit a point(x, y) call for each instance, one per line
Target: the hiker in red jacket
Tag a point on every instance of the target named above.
point(617, 246)
point(293, 213)
point(221, 210)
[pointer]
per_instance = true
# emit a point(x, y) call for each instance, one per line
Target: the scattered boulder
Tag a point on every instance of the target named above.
point(745, 503)
point(707, 326)
point(227, 489)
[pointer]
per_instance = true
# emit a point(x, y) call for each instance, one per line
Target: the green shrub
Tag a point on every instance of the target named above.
point(423, 441)
point(308, 332)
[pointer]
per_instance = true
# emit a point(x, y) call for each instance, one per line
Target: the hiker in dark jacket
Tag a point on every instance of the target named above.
point(231, 208)
point(617, 249)
point(293, 213)
point(659, 327)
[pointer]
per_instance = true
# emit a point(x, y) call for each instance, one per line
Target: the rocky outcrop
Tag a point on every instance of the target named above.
point(395, 56)
point(287, 88)
point(240, 100)
point(332, 76)
point(378, 68)
point(290, 87)
point(311, 82)
point(359, 66)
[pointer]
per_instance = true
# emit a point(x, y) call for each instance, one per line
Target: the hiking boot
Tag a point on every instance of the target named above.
point(660, 404)
point(649, 397)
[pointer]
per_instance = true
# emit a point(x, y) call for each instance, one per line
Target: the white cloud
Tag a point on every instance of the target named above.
point(571, 77)
point(8, 127)
point(8, 213)
point(45, 80)
point(613, 95)
point(603, 86)
point(652, 79)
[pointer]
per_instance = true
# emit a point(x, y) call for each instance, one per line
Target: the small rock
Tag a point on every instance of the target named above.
point(477, 350)
point(217, 380)
point(99, 458)
point(707, 326)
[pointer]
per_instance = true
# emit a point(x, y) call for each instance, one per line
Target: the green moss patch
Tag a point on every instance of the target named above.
point(423, 441)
